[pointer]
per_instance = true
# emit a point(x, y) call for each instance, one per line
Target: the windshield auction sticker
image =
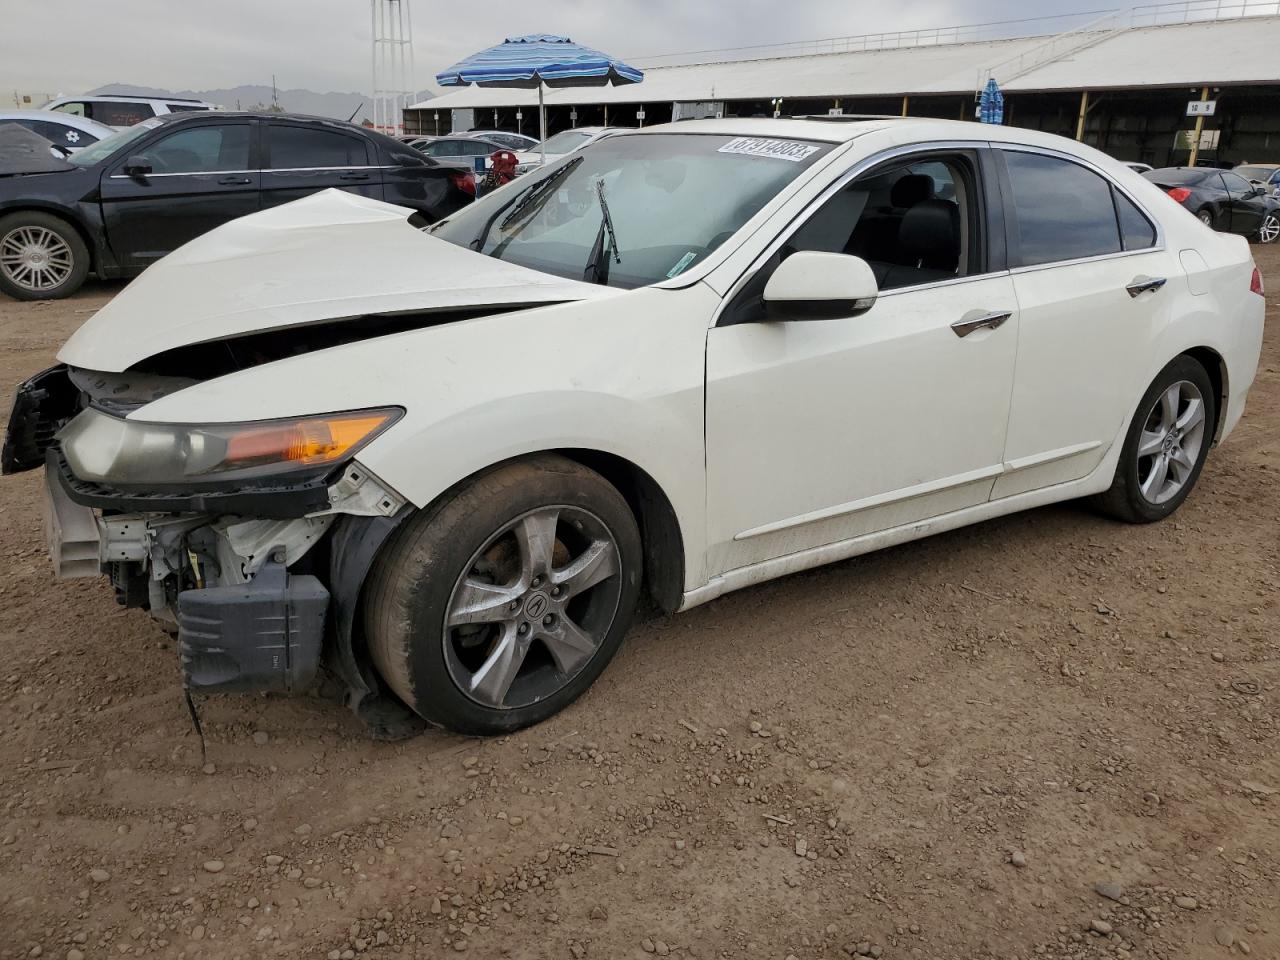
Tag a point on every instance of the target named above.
point(777, 149)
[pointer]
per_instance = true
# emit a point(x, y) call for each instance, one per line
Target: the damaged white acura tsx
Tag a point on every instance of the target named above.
point(442, 462)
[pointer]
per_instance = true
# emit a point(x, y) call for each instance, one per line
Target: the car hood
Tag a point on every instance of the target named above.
point(330, 256)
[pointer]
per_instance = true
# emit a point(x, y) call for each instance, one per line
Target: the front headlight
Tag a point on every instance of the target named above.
point(107, 449)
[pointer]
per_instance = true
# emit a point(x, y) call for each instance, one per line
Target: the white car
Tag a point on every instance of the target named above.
point(687, 359)
point(562, 144)
point(65, 132)
point(124, 111)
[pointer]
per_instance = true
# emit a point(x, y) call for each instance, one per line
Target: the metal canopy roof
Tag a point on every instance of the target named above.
point(1219, 52)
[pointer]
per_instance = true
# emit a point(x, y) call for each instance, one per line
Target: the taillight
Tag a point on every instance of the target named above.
point(465, 181)
point(1180, 194)
point(1255, 284)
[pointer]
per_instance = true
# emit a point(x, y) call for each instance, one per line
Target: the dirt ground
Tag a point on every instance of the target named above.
point(1048, 735)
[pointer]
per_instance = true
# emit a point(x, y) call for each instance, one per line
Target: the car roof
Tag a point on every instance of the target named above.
point(129, 97)
point(844, 129)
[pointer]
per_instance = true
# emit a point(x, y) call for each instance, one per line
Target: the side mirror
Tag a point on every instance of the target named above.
point(137, 166)
point(1258, 191)
point(810, 285)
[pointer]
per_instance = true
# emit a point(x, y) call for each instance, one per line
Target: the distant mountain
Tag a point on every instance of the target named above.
point(258, 96)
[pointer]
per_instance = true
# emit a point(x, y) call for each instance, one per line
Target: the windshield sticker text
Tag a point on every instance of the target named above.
point(777, 149)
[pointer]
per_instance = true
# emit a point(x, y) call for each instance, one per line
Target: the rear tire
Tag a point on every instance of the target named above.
point(500, 605)
point(42, 257)
point(1166, 446)
point(1205, 216)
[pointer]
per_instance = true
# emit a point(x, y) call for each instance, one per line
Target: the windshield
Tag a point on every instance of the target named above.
point(1258, 173)
point(566, 141)
point(670, 200)
point(109, 145)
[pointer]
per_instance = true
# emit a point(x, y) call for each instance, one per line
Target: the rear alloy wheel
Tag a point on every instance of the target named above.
point(1205, 217)
point(1269, 232)
point(1166, 446)
point(41, 257)
point(499, 607)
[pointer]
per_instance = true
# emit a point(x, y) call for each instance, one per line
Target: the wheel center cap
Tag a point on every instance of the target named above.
point(536, 606)
point(1170, 441)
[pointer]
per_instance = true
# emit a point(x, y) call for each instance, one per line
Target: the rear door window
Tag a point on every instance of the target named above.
point(1136, 231)
point(306, 148)
point(120, 114)
point(1062, 211)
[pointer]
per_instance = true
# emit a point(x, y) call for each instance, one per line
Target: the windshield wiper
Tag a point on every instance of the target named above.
point(539, 191)
point(597, 269)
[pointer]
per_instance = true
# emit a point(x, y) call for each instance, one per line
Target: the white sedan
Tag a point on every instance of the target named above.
point(562, 144)
point(66, 132)
point(445, 461)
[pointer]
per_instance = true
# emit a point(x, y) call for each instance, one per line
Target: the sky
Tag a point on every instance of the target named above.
point(69, 46)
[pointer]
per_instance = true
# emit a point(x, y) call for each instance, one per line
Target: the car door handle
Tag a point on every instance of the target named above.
point(1141, 285)
point(235, 181)
point(353, 176)
point(984, 321)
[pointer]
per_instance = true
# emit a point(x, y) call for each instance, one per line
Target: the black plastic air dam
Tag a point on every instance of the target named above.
point(263, 636)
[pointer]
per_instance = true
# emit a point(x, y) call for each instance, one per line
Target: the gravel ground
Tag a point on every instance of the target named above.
point(1048, 735)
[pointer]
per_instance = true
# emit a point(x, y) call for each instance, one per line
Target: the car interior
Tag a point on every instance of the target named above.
point(912, 223)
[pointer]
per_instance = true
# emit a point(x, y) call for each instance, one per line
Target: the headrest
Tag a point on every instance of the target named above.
point(930, 234)
point(911, 189)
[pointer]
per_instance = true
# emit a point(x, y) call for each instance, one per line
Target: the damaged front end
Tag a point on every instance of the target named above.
point(248, 541)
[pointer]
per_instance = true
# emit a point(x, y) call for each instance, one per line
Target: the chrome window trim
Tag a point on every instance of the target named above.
point(354, 166)
point(227, 173)
point(857, 170)
point(1159, 244)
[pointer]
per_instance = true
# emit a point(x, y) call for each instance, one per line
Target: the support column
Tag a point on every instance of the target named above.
point(906, 102)
point(1195, 142)
point(1084, 112)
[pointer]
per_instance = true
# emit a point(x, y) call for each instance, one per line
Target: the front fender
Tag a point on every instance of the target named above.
point(623, 376)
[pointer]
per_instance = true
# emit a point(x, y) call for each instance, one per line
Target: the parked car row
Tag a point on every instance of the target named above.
point(123, 202)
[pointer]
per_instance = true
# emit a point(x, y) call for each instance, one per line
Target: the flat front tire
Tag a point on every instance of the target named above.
point(42, 257)
point(500, 605)
point(1166, 445)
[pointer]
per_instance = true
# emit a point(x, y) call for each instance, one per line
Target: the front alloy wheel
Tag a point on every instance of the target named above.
point(500, 604)
point(532, 608)
point(41, 257)
point(1269, 232)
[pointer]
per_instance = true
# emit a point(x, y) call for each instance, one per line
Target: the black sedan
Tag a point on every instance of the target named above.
point(126, 201)
point(1222, 200)
point(462, 147)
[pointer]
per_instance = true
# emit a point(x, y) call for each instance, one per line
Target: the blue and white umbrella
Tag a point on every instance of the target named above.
point(537, 60)
point(991, 103)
